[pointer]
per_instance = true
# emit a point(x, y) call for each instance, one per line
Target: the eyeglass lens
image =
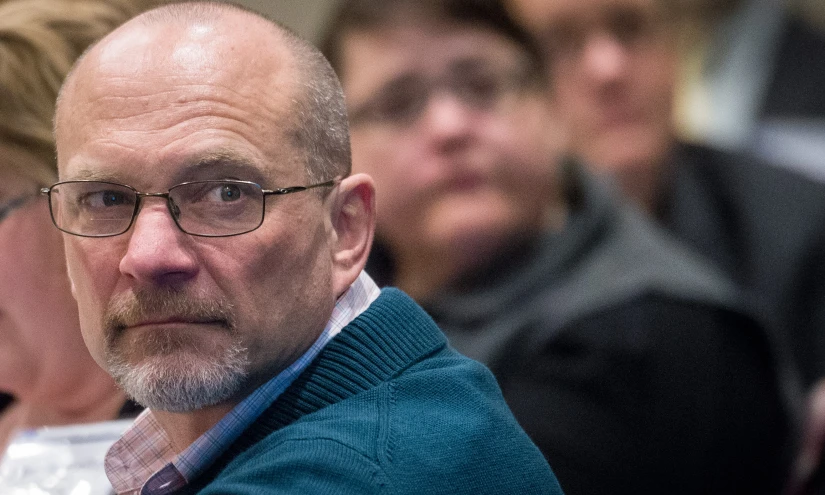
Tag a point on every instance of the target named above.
point(206, 208)
point(403, 101)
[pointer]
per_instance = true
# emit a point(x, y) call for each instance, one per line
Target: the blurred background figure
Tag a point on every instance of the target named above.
point(754, 79)
point(46, 374)
point(612, 66)
point(623, 355)
point(808, 474)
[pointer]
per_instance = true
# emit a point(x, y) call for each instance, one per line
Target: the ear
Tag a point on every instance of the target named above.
point(353, 222)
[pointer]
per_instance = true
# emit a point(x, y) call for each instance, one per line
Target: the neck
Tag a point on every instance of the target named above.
point(639, 176)
point(421, 274)
point(184, 428)
point(642, 186)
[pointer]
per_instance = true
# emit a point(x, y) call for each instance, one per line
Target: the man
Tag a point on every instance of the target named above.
point(622, 356)
point(611, 63)
point(239, 313)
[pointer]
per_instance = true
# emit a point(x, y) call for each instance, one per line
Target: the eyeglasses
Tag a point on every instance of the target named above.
point(629, 26)
point(12, 205)
point(207, 208)
point(403, 101)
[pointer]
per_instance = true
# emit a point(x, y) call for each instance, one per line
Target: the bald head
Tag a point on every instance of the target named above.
point(221, 55)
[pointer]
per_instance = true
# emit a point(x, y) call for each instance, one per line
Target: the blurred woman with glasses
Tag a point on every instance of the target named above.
point(46, 374)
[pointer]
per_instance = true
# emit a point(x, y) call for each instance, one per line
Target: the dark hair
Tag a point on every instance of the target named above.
point(369, 15)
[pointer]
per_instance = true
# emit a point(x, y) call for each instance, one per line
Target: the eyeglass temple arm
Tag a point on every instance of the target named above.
point(289, 190)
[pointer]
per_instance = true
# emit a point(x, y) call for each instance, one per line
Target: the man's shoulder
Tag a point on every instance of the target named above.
point(438, 426)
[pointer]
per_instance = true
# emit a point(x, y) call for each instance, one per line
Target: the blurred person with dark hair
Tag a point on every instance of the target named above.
point(46, 374)
point(624, 357)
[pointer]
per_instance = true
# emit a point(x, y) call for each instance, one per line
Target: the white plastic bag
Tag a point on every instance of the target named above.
point(65, 460)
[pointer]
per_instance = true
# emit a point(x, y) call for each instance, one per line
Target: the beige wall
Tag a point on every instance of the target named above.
point(307, 17)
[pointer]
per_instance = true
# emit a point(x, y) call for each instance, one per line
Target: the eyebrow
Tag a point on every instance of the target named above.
point(220, 164)
point(87, 174)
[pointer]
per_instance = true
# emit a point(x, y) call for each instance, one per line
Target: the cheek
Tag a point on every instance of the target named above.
point(93, 273)
point(575, 108)
point(89, 267)
point(526, 148)
point(34, 290)
point(403, 172)
point(32, 270)
point(660, 86)
point(276, 263)
point(279, 288)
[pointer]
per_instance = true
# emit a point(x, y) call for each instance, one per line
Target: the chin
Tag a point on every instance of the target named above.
point(483, 237)
point(630, 152)
point(182, 380)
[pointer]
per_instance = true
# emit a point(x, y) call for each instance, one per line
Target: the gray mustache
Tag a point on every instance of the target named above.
point(165, 304)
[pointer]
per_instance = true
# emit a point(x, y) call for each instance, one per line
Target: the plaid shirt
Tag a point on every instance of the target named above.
point(143, 460)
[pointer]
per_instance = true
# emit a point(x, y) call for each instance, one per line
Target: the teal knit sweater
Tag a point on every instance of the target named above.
point(387, 407)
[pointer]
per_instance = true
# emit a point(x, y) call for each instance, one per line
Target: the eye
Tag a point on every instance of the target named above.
point(105, 198)
point(566, 43)
point(228, 192)
point(212, 193)
point(398, 102)
point(630, 25)
point(401, 105)
point(480, 88)
point(112, 198)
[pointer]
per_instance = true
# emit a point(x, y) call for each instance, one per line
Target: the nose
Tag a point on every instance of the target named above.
point(605, 59)
point(448, 120)
point(158, 252)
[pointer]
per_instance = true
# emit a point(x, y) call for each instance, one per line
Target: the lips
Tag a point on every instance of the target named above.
point(165, 322)
point(465, 182)
point(618, 115)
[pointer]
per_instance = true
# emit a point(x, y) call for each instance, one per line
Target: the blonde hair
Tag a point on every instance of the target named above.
point(39, 42)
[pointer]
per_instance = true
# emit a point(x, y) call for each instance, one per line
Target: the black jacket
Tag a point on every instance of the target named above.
point(625, 358)
point(765, 227)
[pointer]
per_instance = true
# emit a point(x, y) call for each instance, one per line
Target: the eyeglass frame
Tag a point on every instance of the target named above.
point(13, 204)
point(170, 204)
point(517, 79)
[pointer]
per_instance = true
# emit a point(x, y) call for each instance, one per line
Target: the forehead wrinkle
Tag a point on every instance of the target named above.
point(141, 99)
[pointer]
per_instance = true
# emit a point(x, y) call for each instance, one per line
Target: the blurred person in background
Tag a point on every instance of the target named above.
point(623, 356)
point(47, 376)
point(612, 65)
point(753, 79)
